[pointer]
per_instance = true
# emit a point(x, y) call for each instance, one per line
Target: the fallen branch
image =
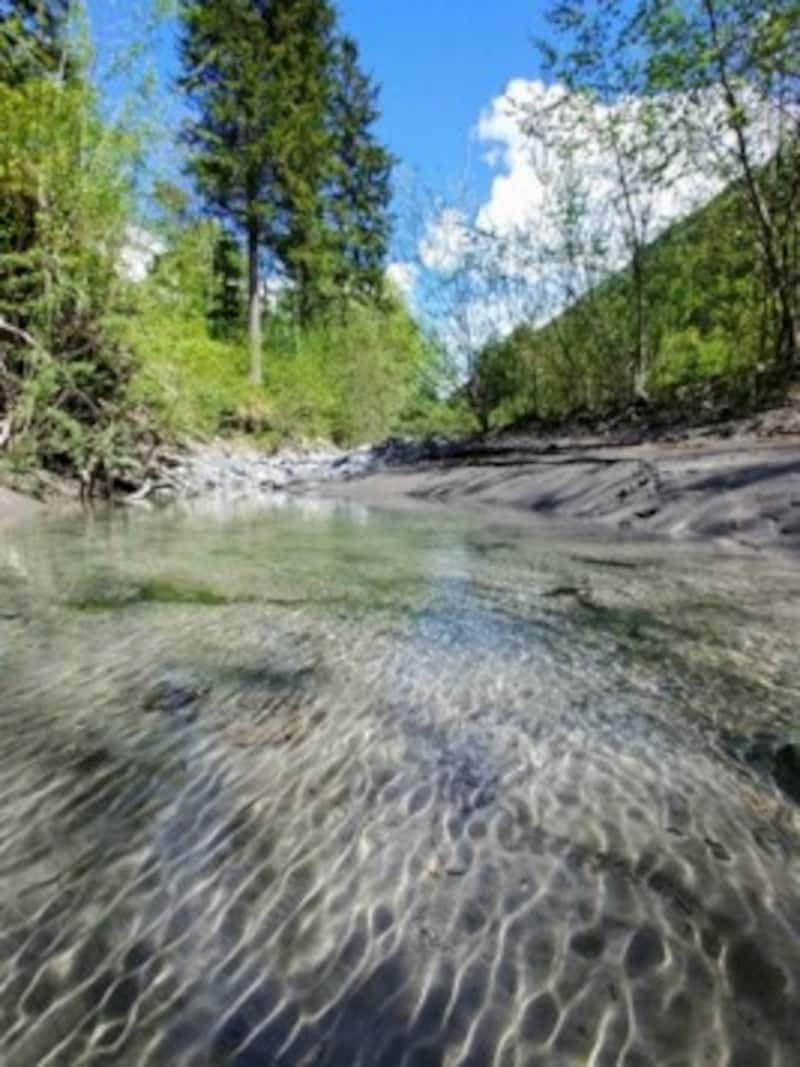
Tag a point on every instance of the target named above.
point(15, 331)
point(147, 490)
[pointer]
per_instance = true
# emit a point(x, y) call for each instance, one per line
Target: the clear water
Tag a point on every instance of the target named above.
point(321, 785)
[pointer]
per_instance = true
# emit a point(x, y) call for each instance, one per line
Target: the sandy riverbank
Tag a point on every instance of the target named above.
point(739, 483)
point(745, 490)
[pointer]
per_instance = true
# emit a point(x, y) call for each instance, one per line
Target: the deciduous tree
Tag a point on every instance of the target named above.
point(33, 39)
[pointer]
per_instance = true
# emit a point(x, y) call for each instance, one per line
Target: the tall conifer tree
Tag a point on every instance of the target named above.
point(282, 148)
point(302, 77)
point(361, 188)
point(226, 50)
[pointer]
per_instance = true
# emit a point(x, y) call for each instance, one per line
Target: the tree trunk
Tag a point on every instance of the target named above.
point(254, 304)
point(789, 343)
point(770, 237)
point(641, 368)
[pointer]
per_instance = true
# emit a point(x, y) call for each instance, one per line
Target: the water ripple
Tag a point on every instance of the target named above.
point(371, 791)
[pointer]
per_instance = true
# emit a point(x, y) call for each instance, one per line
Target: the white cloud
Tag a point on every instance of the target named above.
point(547, 149)
point(544, 138)
point(446, 241)
point(519, 191)
point(139, 253)
point(403, 276)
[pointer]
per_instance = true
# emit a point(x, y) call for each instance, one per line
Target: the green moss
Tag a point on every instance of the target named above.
point(169, 591)
point(160, 590)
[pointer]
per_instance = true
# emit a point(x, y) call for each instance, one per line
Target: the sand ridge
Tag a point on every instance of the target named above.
point(746, 492)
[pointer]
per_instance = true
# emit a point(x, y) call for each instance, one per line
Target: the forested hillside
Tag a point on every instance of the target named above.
point(709, 322)
point(660, 100)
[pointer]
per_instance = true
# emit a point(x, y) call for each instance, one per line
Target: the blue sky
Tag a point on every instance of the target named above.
point(445, 65)
point(439, 62)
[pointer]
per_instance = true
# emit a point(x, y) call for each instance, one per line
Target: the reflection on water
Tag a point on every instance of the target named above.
point(327, 786)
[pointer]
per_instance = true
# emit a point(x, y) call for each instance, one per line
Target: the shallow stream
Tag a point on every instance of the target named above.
point(315, 784)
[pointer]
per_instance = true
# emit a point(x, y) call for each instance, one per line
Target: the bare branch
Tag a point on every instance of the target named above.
point(15, 331)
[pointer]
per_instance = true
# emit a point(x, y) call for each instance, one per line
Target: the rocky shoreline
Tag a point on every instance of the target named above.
point(744, 493)
point(239, 470)
point(221, 468)
point(735, 481)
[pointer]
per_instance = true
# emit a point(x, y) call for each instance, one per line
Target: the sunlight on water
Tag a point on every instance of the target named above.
point(320, 785)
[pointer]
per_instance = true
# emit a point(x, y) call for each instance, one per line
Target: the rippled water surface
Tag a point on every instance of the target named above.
point(316, 785)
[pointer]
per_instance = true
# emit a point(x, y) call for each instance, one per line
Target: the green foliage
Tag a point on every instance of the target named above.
point(360, 189)
point(689, 357)
point(716, 296)
point(186, 376)
point(748, 53)
point(90, 359)
point(709, 316)
point(188, 380)
point(64, 199)
point(657, 86)
point(353, 379)
point(503, 384)
point(350, 377)
point(33, 40)
point(282, 149)
point(303, 140)
point(257, 80)
point(436, 408)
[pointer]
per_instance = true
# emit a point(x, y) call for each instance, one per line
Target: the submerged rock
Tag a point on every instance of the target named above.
point(176, 692)
point(770, 756)
point(787, 770)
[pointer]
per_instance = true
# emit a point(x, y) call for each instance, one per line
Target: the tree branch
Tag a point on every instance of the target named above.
point(15, 331)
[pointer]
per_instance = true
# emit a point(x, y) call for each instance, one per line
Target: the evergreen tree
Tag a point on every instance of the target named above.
point(225, 50)
point(302, 74)
point(257, 75)
point(33, 39)
point(283, 149)
point(361, 188)
point(226, 312)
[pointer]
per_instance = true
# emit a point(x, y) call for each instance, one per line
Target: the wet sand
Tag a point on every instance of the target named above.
point(745, 491)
